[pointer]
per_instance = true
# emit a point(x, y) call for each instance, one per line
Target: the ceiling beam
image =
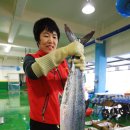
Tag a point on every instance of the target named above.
point(13, 31)
point(18, 46)
point(15, 25)
point(120, 58)
point(20, 6)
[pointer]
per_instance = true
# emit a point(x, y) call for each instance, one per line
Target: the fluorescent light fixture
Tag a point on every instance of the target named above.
point(88, 8)
point(7, 48)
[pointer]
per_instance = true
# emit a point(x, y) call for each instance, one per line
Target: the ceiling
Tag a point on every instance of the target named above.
point(18, 16)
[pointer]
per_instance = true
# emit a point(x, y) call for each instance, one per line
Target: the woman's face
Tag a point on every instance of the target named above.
point(48, 41)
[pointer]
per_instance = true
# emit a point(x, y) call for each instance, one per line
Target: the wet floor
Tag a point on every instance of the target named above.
point(14, 110)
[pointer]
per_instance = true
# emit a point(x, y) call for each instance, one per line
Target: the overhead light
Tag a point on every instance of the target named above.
point(88, 8)
point(7, 48)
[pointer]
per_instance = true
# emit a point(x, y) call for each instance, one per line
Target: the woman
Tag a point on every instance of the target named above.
point(46, 73)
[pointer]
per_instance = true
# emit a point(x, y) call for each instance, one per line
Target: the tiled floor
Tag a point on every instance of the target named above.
point(14, 110)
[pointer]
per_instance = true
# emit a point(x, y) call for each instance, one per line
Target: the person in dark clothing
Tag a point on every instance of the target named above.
point(46, 73)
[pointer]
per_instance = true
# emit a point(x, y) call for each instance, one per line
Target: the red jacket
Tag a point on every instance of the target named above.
point(44, 93)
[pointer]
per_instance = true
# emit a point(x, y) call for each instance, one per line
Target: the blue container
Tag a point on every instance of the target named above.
point(123, 7)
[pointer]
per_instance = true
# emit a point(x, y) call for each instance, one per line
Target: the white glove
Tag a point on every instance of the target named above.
point(46, 63)
point(79, 63)
point(75, 48)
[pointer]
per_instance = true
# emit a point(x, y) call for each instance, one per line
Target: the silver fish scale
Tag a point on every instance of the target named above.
point(72, 110)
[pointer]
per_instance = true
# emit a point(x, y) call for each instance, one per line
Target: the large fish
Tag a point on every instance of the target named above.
point(72, 110)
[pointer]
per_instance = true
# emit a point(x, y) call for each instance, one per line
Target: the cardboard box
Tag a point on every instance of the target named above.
point(104, 125)
point(127, 94)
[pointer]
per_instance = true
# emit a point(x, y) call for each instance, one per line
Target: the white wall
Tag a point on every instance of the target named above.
point(118, 44)
point(90, 53)
point(10, 61)
point(118, 81)
point(5, 70)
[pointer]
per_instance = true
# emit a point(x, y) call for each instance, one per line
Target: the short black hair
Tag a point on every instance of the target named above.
point(45, 23)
